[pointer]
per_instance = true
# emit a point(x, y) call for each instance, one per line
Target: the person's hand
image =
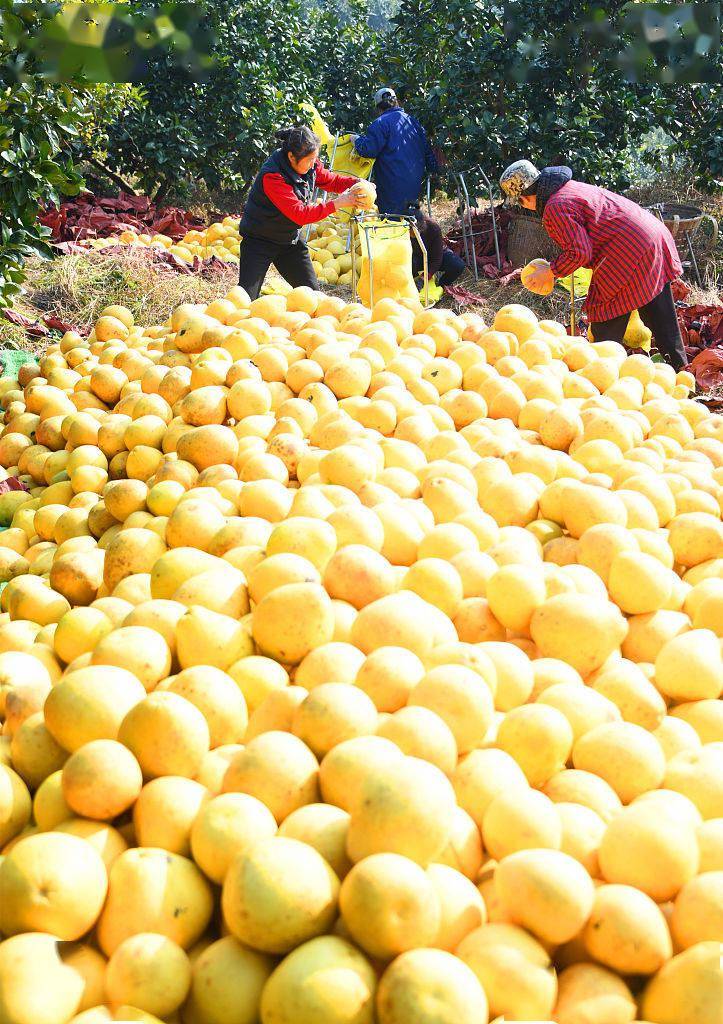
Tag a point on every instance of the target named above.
point(537, 277)
point(347, 199)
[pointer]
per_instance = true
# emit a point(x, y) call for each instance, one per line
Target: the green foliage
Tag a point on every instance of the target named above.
point(495, 90)
point(37, 122)
point(218, 130)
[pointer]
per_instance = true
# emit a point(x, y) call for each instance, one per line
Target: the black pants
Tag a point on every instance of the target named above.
point(293, 262)
point(660, 317)
point(451, 268)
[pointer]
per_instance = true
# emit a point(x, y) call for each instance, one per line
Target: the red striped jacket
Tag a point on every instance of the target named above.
point(631, 252)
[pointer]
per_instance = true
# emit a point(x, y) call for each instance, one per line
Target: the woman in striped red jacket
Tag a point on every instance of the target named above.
point(631, 252)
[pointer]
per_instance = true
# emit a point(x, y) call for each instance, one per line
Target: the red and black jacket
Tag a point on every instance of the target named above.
point(279, 202)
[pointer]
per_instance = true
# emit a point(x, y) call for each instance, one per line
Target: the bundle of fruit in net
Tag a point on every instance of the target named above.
point(386, 267)
point(367, 192)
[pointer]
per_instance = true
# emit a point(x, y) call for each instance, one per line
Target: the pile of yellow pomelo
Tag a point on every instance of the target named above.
point(220, 239)
point(359, 666)
point(329, 242)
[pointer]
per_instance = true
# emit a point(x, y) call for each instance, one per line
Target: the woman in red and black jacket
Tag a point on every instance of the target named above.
point(279, 203)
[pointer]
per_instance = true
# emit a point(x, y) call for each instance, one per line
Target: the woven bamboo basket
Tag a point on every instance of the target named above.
point(527, 240)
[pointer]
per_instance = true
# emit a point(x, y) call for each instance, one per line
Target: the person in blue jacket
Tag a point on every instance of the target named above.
point(399, 145)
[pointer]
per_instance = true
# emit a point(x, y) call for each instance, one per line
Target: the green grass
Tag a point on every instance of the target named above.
point(78, 287)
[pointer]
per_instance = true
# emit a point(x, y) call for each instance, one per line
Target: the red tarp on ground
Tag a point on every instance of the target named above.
point(90, 216)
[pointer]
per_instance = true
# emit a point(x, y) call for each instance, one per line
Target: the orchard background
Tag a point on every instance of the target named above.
point(558, 80)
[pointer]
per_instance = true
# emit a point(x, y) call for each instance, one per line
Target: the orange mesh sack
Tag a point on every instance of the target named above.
point(387, 253)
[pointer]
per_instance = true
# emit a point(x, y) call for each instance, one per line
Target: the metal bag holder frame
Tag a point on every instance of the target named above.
point(459, 180)
point(318, 192)
point(358, 220)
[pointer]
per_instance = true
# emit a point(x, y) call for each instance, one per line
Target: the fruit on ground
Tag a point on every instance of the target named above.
point(309, 609)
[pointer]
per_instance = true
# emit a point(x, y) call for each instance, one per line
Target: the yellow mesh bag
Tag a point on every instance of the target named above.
point(386, 251)
point(343, 158)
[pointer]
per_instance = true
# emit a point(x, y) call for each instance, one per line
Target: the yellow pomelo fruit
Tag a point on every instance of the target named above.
point(625, 755)
point(15, 804)
point(292, 620)
point(520, 820)
point(279, 770)
point(539, 738)
point(323, 827)
point(346, 768)
point(324, 979)
point(53, 883)
point(388, 905)
point(36, 987)
point(218, 698)
point(359, 575)
point(407, 809)
point(582, 632)
point(335, 662)
point(582, 706)
point(149, 972)
point(514, 970)
point(107, 840)
point(704, 717)
point(430, 986)
point(689, 667)
point(101, 780)
point(279, 893)
point(224, 827)
point(626, 931)
point(421, 733)
point(591, 994)
point(49, 805)
point(332, 713)
point(481, 776)
point(167, 734)
point(638, 583)
point(462, 700)
point(698, 774)
point(696, 537)
point(650, 848)
point(90, 965)
point(90, 704)
point(204, 637)
point(546, 892)
point(401, 620)
point(79, 631)
point(462, 908)
point(628, 688)
point(33, 751)
point(257, 677)
point(136, 880)
point(688, 989)
point(276, 711)
point(710, 842)
point(137, 649)
point(164, 812)
point(226, 985)
point(698, 911)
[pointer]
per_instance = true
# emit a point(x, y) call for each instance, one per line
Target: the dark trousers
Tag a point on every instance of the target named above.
point(292, 261)
point(451, 268)
point(660, 317)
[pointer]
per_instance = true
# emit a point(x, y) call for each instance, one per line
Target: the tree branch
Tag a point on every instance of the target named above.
point(115, 178)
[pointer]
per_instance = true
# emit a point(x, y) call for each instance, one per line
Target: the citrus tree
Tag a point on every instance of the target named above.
point(38, 122)
point(494, 84)
point(217, 129)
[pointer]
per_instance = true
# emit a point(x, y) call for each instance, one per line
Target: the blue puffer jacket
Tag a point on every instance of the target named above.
point(399, 144)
